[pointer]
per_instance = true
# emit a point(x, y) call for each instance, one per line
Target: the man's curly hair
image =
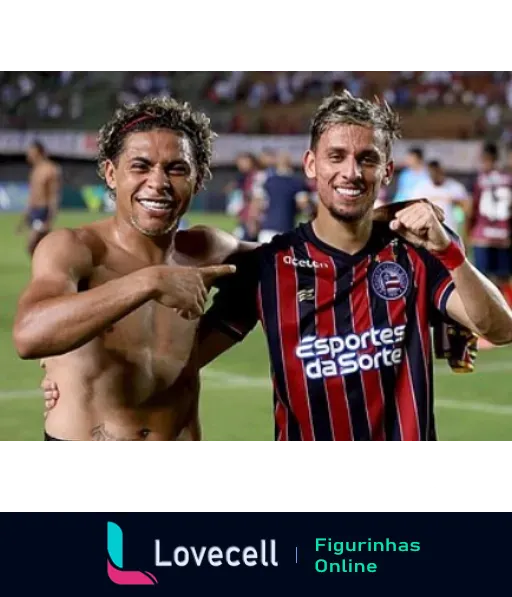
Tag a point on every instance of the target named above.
point(344, 108)
point(154, 113)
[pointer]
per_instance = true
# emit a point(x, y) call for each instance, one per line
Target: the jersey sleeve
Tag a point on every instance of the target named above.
point(439, 283)
point(234, 307)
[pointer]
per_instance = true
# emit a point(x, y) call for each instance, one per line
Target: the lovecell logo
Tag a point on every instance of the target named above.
point(116, 573)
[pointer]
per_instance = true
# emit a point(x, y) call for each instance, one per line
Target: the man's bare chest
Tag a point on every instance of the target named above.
point(153, 340)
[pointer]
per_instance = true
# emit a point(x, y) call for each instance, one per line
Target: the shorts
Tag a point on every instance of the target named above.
point(37, 217)
point(493, 261)
point(53, 442)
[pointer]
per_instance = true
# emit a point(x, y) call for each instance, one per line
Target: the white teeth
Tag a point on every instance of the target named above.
point(155, 204)
point(349, 192)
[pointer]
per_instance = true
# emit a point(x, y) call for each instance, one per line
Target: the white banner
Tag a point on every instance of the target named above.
point(63, 144)
point(458, 156)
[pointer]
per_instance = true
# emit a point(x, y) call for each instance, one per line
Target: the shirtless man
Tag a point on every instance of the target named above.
point(112, 308)
point(44, 192)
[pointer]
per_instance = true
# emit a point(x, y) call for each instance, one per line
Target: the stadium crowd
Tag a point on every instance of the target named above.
point(49, 96)
point(482, 101)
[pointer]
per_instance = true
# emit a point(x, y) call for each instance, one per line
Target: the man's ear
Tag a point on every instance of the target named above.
point(309, 164)
point(110, 175)
point(388, 176)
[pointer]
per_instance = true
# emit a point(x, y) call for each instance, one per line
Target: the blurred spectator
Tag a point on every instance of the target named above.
point(226, 89)
point(508, 159)
point(239, 194)
point(278, 198)
point(284, 93)
point(15, 88)
point(490, 225)
point(267, 159)
point(449, 194)
point(412, 175)
point(137, 85)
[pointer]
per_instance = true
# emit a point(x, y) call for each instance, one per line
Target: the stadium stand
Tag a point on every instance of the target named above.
point(434, 104)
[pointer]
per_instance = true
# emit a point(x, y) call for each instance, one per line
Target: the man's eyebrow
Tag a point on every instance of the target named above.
point(177, 161)
point(366, 151)
point(370, 151)
point(139, 158)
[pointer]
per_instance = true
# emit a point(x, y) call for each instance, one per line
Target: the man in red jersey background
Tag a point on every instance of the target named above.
point(490, 224)
point(491, 221)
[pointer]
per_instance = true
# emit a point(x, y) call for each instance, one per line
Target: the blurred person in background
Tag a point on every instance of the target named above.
point(490, 224)
point(239, 194)
point(278, 198)
point(446, 192)
point(412, 175)
point(508, 161)
point(267, 160)
point(45, 183)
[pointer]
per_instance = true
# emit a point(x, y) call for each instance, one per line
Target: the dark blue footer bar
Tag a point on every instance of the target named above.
point(257, 554)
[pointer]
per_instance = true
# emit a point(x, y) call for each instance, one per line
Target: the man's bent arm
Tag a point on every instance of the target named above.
point(233, 313)
point(52, 317)
point(212, 343)
point(477, 304)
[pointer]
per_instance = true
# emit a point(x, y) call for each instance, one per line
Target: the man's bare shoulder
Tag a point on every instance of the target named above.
point(47, 171)
point(54, 170)
point(81, 241)
point(210, 245)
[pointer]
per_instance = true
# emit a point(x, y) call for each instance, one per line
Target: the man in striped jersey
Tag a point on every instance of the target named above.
point(347, 302)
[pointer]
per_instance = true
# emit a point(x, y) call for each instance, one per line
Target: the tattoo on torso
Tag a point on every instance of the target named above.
point(99, 433)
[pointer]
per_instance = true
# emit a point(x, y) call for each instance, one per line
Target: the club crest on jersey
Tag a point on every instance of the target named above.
point(390, 281)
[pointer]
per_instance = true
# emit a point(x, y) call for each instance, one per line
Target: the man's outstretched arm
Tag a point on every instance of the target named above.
point(236, 299)
point(478, 304)
point(212, 343)
point(54, 318)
